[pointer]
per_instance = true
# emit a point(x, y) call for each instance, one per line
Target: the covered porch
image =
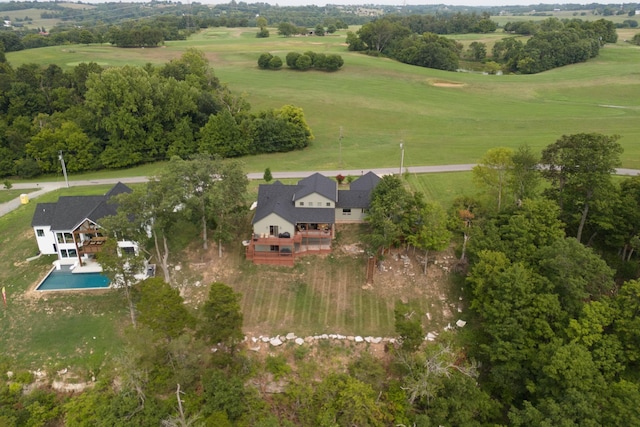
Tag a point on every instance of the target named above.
point(280, 250)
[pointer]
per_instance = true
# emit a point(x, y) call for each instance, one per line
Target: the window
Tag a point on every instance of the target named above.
point(328, 203)
point(68, 238)
point(60, 237)
point(301, 203)
point(40, 232)
point(346, 211)
point(63, 253)
point(72, 253)
point(128, 250)
point(273, 230)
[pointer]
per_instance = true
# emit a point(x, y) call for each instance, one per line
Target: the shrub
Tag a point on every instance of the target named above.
point(263, 33)
point(304, 62)
point(291, 59)
point(275, 63)
point(264, 60)
point(340, 178)
point(277, 365)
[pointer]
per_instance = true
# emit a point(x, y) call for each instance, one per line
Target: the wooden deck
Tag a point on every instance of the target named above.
point(285, 250)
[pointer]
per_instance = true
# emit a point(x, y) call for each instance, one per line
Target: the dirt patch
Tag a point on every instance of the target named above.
point(442, 83)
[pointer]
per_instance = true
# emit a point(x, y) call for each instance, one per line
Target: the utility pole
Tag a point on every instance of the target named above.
point(340, 152)
point(401, 157)
point(64, 168)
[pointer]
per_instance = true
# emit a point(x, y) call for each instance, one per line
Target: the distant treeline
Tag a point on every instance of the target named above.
point(120, 117)
point(555, 43)
point(413, 40)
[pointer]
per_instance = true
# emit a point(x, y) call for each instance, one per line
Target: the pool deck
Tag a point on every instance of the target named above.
point(88, 267)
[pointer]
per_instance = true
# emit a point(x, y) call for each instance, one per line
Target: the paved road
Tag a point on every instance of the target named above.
point(46, 187)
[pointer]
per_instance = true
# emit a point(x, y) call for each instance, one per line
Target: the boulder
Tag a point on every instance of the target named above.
point(275, 342)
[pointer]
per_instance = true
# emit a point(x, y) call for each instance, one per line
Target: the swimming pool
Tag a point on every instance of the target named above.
point(64, 279)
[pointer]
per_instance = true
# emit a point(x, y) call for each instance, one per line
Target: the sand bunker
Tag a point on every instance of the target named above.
point(446, 84)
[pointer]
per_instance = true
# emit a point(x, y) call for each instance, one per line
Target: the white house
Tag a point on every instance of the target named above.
point(70, 229)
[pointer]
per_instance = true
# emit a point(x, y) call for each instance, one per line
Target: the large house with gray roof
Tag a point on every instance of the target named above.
point(70, 227)
point(292, 220)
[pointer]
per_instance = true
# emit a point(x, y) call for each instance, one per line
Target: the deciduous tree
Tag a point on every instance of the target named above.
point(579, 168)
point(493, 171)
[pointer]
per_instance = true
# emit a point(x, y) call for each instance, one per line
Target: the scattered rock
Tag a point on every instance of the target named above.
point(358, 339)
point(291, 336)
point(460, 323)
point(257, 348)
point(275, 342)
point(299, 341)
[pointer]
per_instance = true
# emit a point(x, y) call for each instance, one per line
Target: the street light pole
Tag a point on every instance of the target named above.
point(64, 168)
point(401, 157)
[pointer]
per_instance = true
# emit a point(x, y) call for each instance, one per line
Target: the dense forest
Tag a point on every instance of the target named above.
point(119, 117)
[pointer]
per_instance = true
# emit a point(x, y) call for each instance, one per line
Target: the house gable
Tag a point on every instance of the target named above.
point(55, 223)
point(319, 184)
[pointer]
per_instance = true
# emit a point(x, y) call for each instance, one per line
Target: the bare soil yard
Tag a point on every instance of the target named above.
point(329, 294)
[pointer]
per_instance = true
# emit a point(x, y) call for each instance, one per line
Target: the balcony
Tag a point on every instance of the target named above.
point(91, 246)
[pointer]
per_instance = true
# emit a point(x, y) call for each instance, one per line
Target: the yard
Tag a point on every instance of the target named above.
point(81, 330)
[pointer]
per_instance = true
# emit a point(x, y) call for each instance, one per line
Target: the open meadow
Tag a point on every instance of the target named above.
point(442, 117)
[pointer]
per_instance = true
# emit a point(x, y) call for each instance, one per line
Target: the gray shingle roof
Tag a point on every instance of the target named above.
point(44, 214)
point(353, 199)
point(276, 198)
point(280, 199)
point(317, 183)
point(70, 211)
point(366, 182)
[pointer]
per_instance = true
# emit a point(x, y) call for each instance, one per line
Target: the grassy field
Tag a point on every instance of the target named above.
point(6, 195)
point(378, 102)
point(51, 330)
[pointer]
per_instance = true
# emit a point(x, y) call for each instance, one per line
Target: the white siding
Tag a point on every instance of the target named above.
point(315, 200)
point(356, 215)
point(47, 241)
point(264, 225)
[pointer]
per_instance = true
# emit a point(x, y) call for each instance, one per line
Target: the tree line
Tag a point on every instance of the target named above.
point(150, 25)
point(415, 39)
point(120, 117)
point(552, 283)
point(554, 43)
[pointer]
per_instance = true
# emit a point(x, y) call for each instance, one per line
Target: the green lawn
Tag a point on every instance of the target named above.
point(7, 195)
point(379, 102)
point(51, 330)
